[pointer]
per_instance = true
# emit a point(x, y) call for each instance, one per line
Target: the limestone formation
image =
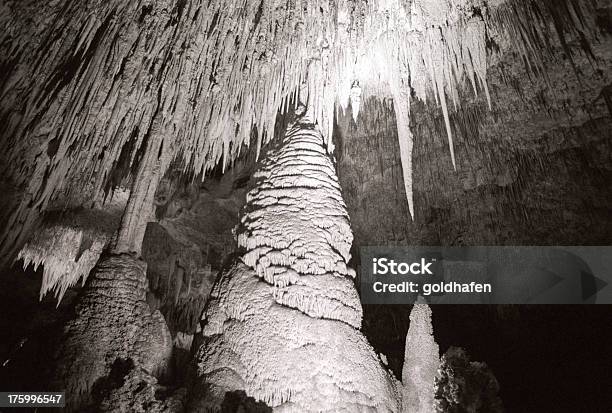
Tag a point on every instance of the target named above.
point(69, 244)
point(421, 362)
point(283, 324)
point(94, 91)
point(102, 100)
point(113, 324)
point(295, 231)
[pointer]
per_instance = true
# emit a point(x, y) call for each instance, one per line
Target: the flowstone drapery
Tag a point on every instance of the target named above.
point(283, 323)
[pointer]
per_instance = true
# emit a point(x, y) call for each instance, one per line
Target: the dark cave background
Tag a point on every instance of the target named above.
point(534, 170)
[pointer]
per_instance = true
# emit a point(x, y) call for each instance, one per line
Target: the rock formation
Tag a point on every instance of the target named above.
point(421, 362)
point(108, 87)
point(113, 324)
point(283, 324)
point(453, 122)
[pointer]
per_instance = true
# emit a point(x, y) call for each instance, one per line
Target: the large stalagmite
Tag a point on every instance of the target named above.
point(283, 323)
point(113, 325)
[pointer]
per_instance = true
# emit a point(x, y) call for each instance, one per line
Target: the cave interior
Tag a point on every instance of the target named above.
point(185, 187)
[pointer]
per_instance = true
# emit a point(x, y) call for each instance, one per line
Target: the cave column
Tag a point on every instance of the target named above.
point(140, 209)
point(113, 327)
point(283, 323)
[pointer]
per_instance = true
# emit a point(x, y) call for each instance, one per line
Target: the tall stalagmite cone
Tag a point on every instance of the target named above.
point(283, 323)
point(421, 362)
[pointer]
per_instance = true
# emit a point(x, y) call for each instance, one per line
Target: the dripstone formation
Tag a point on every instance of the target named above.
point(192, 180)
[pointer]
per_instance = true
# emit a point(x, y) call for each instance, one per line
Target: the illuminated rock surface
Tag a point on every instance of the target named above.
point(284, 327)
point(421, 362)
point(467, 122)
point(113, 324)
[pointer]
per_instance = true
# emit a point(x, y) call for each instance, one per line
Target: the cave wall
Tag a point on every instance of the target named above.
point(192, 240)
point(533, 170)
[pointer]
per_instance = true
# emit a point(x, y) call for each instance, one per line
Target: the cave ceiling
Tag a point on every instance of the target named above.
point(91, 90)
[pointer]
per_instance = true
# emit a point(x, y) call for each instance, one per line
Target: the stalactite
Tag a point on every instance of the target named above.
point(64, 255)
point(68, 245)
point(535, 40)
point(140, 206)
point(107, 94)
point(102, 74)
point(406, 143)
point(93, 77)
point(118, 70)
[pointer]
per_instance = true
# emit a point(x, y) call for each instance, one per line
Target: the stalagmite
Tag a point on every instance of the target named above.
point(113, 324)
point(283, 324)
point(299, 240)
point(421, 362)
point(102, 95)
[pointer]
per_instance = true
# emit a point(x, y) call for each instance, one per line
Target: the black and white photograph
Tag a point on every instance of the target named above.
point(250, 206)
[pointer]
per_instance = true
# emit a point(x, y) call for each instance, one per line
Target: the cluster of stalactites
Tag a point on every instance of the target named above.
point(94, 84)
point(68, 245)
point(67, 255)
point(429, 48)
point(108, 76)
point(421, 47)
point(295, 229)
point(98, 80)
point(204, 74)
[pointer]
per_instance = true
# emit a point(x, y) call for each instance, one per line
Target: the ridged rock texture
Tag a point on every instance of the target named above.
point(296, 231)
point(283, 324)
point(113, 325)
